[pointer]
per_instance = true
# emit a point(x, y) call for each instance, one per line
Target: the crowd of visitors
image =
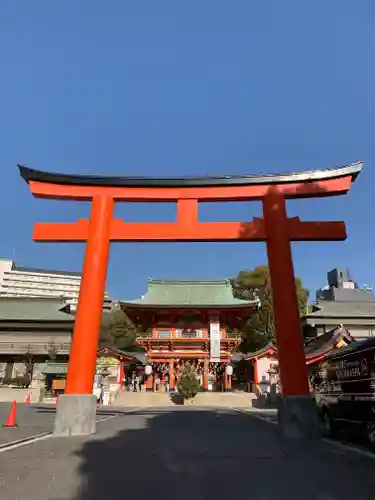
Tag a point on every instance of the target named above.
point(161, 376)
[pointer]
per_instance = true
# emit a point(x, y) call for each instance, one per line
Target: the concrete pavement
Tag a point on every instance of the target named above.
point(36, 419)
point(184, 453)
point(31, 421)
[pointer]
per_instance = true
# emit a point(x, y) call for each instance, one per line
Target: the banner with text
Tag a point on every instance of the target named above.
point(214, 341)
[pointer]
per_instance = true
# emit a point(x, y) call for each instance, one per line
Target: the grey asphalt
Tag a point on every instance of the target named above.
point(184, 453)
point(30, 420)
point(33, 420)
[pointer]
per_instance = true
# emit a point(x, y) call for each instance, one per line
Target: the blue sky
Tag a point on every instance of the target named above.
point(161, 88)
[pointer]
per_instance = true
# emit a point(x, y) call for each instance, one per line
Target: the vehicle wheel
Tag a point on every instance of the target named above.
point(328, 428)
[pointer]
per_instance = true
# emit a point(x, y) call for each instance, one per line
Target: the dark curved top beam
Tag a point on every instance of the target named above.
point(29, 174)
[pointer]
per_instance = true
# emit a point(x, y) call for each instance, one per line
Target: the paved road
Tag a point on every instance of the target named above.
point(33, 420)
point(184, 453)
point(30, 421)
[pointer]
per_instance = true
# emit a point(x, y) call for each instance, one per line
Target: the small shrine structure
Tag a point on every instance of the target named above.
point(263, 364)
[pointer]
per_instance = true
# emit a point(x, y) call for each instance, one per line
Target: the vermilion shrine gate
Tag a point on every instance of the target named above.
point(76, 411)
point(195, 321)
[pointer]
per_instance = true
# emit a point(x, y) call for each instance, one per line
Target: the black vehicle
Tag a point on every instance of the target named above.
point(345, 390)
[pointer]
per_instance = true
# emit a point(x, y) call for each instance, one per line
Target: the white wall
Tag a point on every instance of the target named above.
point(5, 266)
point(14, 283)
point(360, 332)
point(30, 283)
point(9, 394)
point(263, 366)
point(31, 338)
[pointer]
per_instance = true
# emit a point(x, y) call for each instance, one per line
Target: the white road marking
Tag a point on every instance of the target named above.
point(337, 444)
point(348, 447)
point(119, 414)
point(106, 418)
point(17, 444)
point(11, 445)
point(254, 414)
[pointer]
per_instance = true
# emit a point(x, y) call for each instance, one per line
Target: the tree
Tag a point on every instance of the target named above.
point(118, 331)
point(28, 360)
point(260, 328)
point(188, 385)
point(52, 352)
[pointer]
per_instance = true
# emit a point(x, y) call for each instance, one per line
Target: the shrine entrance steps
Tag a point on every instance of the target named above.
point(215, 399)
point(225, 399)
point(143, 399)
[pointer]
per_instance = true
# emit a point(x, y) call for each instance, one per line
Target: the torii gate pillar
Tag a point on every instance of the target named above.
point(78, 404)
point(296, 404)
point(77, 408)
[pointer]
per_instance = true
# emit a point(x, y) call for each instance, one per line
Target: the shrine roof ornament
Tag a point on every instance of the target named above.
point(29, 174)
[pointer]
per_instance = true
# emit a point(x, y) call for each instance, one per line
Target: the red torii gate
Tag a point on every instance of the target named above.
point(275, 228)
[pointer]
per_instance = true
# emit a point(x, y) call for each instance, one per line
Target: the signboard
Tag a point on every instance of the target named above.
point(106, 398)
point(107, 360)
point(214, 341)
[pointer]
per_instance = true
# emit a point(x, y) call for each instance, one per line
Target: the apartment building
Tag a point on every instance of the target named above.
point(28, 282)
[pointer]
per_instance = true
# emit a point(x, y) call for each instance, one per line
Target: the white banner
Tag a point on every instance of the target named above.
point(214, 341)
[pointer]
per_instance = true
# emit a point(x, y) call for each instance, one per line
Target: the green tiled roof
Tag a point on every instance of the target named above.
point(189, 294)
point(341, 309)
point(55, 369)
point(32, 309)
point(139, 356)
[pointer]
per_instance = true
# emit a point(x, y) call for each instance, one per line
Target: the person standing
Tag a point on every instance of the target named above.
point(137, 383)
point(157, 382)
point(166, 382)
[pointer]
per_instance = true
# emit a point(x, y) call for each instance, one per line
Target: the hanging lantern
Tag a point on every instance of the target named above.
point(148, 369)
point(229, 370)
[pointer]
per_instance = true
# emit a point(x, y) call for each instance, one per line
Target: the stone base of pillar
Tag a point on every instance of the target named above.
point(298, 417)
point(75, 415)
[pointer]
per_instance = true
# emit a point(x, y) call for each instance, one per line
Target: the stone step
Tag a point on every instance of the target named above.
point(143, 399)
point(225, 399)
point(215, 399)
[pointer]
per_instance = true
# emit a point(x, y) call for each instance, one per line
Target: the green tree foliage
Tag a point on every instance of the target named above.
point(118, 331)
point(260, 328)
point(188, 385)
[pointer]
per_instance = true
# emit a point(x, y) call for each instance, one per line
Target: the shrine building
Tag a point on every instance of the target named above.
point(195, 321)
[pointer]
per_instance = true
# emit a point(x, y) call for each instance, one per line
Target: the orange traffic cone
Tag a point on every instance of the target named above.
point(11, 420)
point(28, 398)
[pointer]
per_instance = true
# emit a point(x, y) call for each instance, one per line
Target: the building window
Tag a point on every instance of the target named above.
point(190, 333)
point(164, 333)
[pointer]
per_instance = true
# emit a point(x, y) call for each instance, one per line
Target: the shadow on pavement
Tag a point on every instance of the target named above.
point(101, 411)
point(204, 455)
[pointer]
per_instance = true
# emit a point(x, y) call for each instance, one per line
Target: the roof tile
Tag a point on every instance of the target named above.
point(189, 293)
point(341, 309)
point(32, 309)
